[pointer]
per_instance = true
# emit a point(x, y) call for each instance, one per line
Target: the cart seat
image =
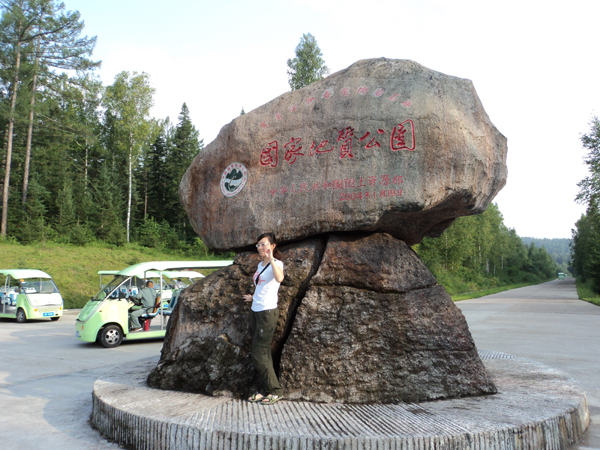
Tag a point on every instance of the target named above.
point(169, 310)
point(152, 312)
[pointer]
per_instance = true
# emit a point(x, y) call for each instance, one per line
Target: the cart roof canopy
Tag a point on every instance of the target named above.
point(154, 274)
point(142, 270)
point(172, 274)
point(108, 272)
point(24, 273)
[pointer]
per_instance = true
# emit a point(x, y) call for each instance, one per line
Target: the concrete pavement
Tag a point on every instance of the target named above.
point(545, 323)
point(46, 375)
point(46, 380)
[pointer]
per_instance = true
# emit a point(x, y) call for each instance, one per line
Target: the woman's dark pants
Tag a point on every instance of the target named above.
point(263, 324)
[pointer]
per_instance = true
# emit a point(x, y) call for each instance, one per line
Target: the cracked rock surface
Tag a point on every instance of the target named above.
point(384, 145)
point(362, 321)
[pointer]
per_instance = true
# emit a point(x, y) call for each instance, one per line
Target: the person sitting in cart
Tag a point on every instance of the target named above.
point(148, 297)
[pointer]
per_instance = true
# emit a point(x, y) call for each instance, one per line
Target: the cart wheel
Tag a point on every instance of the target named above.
point(111, 336)
point(54, 319)
point(21, 316)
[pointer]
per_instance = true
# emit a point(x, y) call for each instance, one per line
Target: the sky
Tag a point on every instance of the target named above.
point(534, 65)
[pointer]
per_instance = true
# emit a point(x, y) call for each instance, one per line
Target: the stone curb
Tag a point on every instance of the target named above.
point(536, 408)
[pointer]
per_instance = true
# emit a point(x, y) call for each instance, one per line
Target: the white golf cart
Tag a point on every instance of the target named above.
point(28, 294)
point(105, 318)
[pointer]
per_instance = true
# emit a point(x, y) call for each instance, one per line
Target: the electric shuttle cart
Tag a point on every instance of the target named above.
point(105, 318)
point(28, 294)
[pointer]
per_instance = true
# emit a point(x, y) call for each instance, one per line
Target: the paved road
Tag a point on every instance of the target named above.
point(46, 379)
point(46, 375)
point(546, 323)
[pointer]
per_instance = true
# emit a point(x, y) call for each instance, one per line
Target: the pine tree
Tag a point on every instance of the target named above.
point(57, 45)
point(66, 211)
point(34, 226)
point(185, 146)
point(308, 66)
point(108, 210)
point(36, 35)
point(589, 187)
point(158, 180)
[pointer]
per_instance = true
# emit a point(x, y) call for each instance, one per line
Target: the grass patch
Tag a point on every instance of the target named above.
point(75, 269)
point(585, 292)
point(490, 291)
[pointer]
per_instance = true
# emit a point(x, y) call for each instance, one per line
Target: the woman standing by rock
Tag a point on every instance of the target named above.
point(263, 318)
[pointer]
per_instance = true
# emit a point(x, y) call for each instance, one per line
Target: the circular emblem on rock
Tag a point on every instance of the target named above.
point(233, 179)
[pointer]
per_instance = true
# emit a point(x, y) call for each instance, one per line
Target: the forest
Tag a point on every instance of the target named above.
point(558, 249)
point(83, 161)
point(585, 249)
point(86, 163)
point(480, 252)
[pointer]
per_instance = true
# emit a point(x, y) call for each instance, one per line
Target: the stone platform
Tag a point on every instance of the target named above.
point(536, 407)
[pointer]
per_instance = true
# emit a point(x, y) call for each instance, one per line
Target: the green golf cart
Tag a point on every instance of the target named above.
point(174, 281)
point(105, 318)
point(28, 294)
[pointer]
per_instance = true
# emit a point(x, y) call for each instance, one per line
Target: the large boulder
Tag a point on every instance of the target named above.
point(362, 320)
point(385, 145)
point(375, 327)
point(208, 342)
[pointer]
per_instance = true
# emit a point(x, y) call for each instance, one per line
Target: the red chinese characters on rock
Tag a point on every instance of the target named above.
point(320, 148)
point(372, 143)
point(387, 193)
point(377, 187)
point(402, 137)
point(400, 133)
point(292, 150)
point(345, 137)
point(346, 91)
point(268, 156)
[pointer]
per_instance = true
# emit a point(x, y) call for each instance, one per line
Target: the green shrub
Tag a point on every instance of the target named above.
point(585, 291)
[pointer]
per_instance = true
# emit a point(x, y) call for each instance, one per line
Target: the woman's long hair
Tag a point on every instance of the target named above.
point(271, 237)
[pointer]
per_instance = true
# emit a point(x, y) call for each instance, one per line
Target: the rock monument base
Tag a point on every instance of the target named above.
point(536, 408)
point(362, 320)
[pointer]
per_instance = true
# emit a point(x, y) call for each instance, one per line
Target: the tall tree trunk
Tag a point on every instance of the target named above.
point(9, 145)
point(85, 170)
point(30, 132)
point(4, 147)
point(130, 193)
point(145, 193)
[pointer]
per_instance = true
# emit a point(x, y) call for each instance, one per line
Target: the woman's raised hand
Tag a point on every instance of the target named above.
point(269, 252)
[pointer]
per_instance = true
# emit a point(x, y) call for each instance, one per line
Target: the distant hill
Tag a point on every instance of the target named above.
point(558, 249)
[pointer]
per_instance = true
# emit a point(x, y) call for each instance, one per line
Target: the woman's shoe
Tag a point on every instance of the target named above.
point(256, 398)
point(270, 399)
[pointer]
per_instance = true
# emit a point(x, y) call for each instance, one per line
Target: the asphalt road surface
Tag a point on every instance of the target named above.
point(546, 323)
point(46, 375)
point(46, 380)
